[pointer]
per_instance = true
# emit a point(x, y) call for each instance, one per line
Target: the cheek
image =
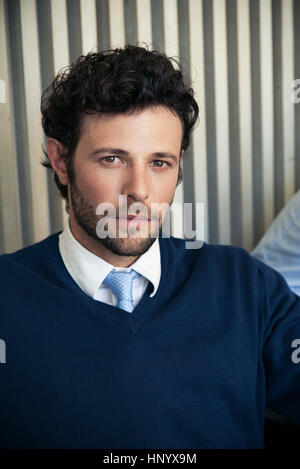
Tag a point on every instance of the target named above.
point(95, 188)
point(165, 192)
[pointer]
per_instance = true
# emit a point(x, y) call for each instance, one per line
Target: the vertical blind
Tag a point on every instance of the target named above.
point(242, 56)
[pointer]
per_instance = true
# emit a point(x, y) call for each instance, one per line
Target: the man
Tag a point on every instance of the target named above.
point(133, 341)
point(280, 246)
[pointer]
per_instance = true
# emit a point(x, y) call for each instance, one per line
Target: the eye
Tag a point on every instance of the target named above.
point(109, 159)
point(160, 163)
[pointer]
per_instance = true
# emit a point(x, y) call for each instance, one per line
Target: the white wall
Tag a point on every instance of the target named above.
point(242, 55)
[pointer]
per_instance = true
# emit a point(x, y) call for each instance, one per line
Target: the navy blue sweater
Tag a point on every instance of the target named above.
point(192, 367)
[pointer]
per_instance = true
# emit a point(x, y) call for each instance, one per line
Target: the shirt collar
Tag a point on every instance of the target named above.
point(149, 265)
point(89, 270)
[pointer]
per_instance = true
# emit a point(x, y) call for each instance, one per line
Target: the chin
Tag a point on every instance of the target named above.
point(127, 246)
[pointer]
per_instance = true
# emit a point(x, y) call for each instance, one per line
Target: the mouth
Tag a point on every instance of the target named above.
point(137, 218)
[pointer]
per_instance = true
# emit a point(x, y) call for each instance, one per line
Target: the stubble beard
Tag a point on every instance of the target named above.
point(84, 214)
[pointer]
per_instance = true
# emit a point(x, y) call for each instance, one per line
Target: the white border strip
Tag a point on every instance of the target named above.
point(245, 120)
point(267, 108)
point(287, 45)
point(222, 119)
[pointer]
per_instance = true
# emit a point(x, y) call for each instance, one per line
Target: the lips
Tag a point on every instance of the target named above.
point(133, 217)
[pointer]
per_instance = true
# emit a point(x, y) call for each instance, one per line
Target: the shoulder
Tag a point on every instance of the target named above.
point(229, 273)
point(30, 256)
point(210, 257)
point(203, 250)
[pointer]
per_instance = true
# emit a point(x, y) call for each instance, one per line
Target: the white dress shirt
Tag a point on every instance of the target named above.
point(280, 245)
point(89, 270)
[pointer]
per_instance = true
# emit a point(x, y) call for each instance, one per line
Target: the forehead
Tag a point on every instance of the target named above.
point(154, 124)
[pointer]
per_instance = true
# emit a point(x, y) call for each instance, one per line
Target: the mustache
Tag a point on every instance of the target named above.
point(132, 211)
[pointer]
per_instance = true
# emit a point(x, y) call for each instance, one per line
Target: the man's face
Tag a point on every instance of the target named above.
point(134, 155)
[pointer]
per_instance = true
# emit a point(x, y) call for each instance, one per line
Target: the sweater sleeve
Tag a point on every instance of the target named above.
point(281, 344)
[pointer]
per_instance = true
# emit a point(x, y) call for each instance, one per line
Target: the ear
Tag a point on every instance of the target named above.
point(181, 155)
point(55, 151)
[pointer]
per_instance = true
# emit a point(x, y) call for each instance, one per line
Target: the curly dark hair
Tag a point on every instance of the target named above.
point(113, 81)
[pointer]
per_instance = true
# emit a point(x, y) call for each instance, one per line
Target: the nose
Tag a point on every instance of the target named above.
point(136, 184)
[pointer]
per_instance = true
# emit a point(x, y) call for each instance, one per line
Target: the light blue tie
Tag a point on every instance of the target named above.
point(120, 283)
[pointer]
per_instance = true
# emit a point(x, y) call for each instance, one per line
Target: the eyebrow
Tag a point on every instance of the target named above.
point(119, 151)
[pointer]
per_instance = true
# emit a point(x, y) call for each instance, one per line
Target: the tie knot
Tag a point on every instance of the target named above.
point(120, 283)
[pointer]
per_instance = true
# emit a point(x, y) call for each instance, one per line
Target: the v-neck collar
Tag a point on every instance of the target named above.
point(89, 270)
point(141, 313)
